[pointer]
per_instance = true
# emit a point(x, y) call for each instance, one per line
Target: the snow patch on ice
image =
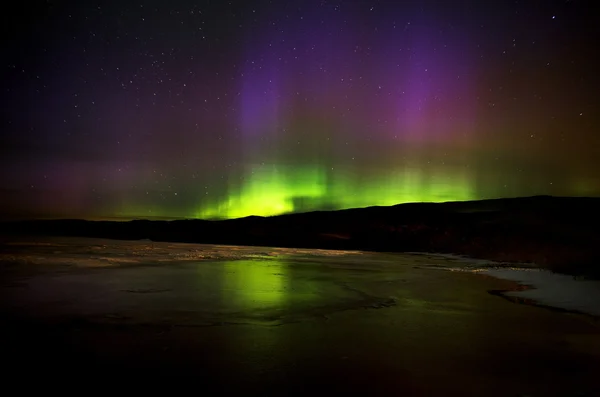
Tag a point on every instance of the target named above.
point(553, 289)
point(547, 288)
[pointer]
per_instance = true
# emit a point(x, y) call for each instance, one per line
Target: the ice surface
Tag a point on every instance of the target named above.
point(187, 284)
point(257, 317)
point(57, 254)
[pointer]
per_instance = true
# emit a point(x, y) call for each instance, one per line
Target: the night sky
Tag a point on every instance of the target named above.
point(219, 109)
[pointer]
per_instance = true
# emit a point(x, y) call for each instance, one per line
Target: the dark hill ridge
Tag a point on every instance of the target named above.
point(561, 233)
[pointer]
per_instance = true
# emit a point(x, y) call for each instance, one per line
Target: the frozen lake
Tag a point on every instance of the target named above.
point(281, 320)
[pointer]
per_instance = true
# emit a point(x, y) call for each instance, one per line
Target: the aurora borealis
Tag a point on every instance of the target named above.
point(222, 109)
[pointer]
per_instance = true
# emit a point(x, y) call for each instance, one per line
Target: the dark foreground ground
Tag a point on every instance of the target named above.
point(265, 321)
point(558, 233)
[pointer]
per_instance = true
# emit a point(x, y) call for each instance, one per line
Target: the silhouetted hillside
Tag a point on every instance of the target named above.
point(561, 233)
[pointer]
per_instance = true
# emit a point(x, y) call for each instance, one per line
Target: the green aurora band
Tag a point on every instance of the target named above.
point(273, 190)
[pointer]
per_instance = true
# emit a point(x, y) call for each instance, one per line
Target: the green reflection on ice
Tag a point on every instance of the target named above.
point(255, 285)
